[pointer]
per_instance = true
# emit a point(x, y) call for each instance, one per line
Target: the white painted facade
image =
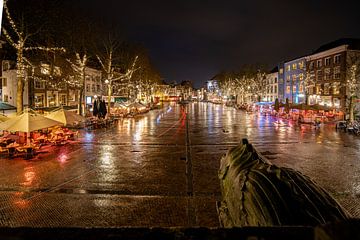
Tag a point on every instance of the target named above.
point(9, 86)
point(271, 87)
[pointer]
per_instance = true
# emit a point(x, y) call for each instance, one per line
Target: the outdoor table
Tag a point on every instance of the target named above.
point(12, 147)
point(29, 151)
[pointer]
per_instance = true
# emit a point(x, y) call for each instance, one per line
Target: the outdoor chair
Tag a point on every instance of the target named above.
point(4, 150)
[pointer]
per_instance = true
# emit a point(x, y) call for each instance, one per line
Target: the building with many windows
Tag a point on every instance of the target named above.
point(294, 80)
point(271, 86)
point(45, 86)
point(328, 69)
point(281, 82)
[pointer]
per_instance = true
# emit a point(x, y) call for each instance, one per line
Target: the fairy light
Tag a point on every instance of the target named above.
point(20, 47)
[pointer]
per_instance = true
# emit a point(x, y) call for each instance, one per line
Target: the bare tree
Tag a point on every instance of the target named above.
point(108, 61)
point(19, 41)
point(352, 80)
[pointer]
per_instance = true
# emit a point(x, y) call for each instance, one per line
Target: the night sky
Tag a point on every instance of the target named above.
point(193, 40)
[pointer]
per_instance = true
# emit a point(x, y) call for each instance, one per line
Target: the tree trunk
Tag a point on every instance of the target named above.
point(81, 91)
point(351, 109)
point(19, 95)
point(20, 82)
point(109, 98)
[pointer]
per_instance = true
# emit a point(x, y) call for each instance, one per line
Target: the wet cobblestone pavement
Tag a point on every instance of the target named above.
point(160, 169)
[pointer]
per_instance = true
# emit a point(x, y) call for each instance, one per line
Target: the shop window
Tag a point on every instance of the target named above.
point(62, 99)
point(39, 100)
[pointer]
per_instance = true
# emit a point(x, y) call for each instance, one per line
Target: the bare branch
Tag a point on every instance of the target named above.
point(8, 38)
point(11, 21)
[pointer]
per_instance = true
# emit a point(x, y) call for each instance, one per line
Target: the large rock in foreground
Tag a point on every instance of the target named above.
point(257, 193)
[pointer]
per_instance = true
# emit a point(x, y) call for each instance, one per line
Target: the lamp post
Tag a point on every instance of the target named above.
point(109, 94)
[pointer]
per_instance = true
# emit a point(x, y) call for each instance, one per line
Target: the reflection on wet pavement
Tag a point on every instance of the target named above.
point(135, 172)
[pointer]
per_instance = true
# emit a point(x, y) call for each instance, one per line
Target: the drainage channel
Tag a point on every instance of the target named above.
point(189, 177)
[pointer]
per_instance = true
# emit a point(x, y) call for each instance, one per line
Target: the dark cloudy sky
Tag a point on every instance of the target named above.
point(193, 40)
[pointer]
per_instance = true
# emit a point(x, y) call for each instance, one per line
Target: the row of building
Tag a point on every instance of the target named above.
point(41, 92)
point(318, 78)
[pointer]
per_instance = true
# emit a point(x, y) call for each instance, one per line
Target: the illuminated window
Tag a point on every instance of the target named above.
point(301, 76)
point(336, 88)
point(39, 100)
point(301, 88)
point(336, 72)
point(327, 75)
point(288, 68)
point(294, 66)
point(288, 78)
point(294, 77)
point(294, 88)
point(337, 59)
point(326, 88)
point(301, 64)
point(6, 98)
point(57, 71)
point(281, 71)
point(318, 89)
point(311, 65)
point(45, 69)
point(52, 97)
point(327, 61)
point(288, 89)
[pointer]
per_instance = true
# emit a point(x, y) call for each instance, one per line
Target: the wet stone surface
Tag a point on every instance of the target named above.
point(160, 169)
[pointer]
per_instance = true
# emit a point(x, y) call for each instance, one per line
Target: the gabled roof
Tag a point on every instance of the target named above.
point(353, 43)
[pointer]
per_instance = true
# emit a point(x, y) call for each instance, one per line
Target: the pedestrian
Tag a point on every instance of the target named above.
point(95, 108)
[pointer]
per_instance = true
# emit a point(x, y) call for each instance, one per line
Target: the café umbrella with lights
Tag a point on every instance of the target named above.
point(68, 118)
point(27, 122)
